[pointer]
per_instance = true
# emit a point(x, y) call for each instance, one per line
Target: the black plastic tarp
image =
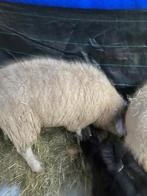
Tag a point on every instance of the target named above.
point(115, 40)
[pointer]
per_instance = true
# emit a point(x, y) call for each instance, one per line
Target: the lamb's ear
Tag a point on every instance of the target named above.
point(120, 127)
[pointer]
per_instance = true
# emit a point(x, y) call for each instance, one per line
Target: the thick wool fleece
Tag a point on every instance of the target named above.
point(45, 92)
point(136, 126)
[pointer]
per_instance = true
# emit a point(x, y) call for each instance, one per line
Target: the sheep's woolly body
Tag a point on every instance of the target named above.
point(136, 126)
point(46, 92)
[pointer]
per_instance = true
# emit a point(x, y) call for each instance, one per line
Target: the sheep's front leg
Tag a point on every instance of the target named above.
point(35, 165)
point(79, 135)
point(83, 134)
point(79, 132)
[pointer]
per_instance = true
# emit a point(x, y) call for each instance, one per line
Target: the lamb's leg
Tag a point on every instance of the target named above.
point(79, 132)
point(31, 160)
point(84, 133)
point(79, 135)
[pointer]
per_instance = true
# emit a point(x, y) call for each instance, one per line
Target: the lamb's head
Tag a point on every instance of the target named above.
point(117, 126)
point(113, 118)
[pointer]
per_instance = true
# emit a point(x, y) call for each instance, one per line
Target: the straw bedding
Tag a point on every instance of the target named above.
point(66, 172)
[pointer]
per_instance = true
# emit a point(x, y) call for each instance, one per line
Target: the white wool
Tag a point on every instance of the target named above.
point(136, 126)
point(45, 92)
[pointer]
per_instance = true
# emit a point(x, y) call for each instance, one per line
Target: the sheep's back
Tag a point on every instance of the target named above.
point(59, 92)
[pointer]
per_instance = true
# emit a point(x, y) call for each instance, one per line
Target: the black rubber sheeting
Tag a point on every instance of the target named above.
point(114, 40)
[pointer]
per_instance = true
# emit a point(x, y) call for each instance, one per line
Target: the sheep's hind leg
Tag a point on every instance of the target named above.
point(35, 165)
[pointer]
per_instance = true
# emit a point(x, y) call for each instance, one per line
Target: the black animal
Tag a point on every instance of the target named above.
point(115, 172)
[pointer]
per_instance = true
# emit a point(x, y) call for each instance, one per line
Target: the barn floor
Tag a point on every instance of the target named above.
point(63, 175)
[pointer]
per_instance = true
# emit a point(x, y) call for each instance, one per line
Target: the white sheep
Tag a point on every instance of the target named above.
point(45, 92)
point(136, 126)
